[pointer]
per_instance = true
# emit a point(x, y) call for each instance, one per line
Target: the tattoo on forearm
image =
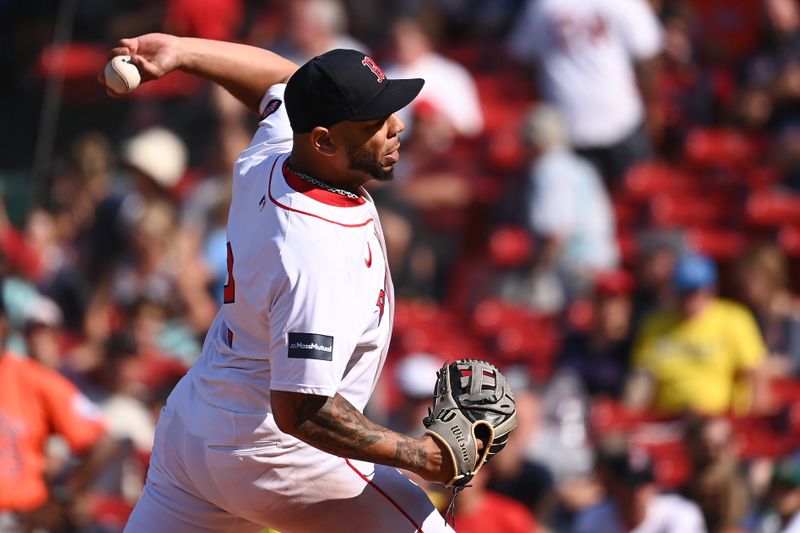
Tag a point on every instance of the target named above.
point(409, 452)
point(335, 426)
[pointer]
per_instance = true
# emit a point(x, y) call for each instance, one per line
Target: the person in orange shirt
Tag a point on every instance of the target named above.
point(35, 402)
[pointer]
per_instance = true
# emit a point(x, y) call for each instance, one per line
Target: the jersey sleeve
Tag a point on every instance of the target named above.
point(640, 29)
point(72, 415)
point(314, 324)
point(274, 132)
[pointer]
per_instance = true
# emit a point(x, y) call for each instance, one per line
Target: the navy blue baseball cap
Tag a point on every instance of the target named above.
point(344, 85)
point(694, 271)
point(630, 468)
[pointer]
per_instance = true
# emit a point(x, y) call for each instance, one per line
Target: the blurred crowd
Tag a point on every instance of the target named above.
point(601, 197)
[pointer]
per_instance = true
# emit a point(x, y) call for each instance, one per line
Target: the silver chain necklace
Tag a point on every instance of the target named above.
point(322, 185)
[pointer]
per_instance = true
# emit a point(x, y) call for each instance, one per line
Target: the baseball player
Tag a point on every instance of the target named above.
point(267, 430)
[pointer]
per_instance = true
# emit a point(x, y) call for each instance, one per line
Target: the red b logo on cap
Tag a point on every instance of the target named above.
point(369, 63)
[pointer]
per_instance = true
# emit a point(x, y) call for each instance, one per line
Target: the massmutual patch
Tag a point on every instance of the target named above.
point(310, 346)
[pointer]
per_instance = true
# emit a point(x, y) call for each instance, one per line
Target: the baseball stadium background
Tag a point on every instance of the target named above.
point(112, 244)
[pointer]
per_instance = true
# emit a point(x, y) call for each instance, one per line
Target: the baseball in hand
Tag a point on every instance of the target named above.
point(121, 75)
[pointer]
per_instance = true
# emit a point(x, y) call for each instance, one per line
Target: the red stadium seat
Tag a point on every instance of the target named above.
point(646, 180)
point(536, 342)
point(673, 471)
point(580, 315)
point(761, 444)
point(706, 147)
point(72, 61)
point(686, 211)
point(510, 247)
point(628, 245)
point(608, 416)
point(493, 315)
point(505, 150)
point(448, 344)
point(784, 391)
point(719, 243)
point(627, 213)
point(534, 346)
point(761, 178)
point(773, 209)
point(789, 240)
point(618, 281)
point(413, 313)
point(109, 512)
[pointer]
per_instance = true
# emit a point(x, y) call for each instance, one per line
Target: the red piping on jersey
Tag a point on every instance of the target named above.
point(286, 207)
point(380, 491)
point(321, 195)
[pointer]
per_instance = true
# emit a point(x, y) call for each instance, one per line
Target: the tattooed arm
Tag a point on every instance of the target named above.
point(333, 425)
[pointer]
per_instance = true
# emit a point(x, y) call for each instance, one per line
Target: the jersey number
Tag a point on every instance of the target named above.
point(229, 293)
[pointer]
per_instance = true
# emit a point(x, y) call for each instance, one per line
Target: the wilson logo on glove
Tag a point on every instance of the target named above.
point(472, 402)
point(446, 415)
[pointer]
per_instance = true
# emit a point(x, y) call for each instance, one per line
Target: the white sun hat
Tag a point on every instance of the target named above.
point(158, 153)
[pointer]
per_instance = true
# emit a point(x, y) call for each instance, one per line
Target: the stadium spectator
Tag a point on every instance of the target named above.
point(654, 266)
point(449, 90)
point(704, 356)
point(634, 502)
point(588, 53)
point(561, 441)
point(426, 207)
point(763, 279)
point(716, 485)
point(728, 73)
point(118, 389)
point(209, 19)
point(415, 375)
point(156, 159)
point(36, 402)
point(119, 393)
point(42, 333)
point(772, 81)
point(514, 474)
point(783, 512)
point(314, 27)
point(568, 208)
point(480, 510)
point(599, 356)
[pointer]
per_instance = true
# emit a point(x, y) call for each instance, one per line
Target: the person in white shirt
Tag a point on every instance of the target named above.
point(587, 52)
point(783, 498)
point(634, 502)
point(449, 88)
point(267, 428)
point(569, 209)
point(313, 27)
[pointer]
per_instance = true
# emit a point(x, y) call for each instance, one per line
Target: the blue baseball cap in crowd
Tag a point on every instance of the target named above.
point(694, 271)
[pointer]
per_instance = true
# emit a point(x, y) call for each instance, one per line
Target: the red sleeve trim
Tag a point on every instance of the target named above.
point(287, 208)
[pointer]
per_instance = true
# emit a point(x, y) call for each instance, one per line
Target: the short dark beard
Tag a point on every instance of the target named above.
point(362, 160)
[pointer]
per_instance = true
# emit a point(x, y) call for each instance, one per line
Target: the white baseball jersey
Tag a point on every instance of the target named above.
point(308, 304)
point(585, 50)
point(308, 308)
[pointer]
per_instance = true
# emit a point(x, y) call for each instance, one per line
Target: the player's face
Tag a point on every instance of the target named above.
point(373, 147)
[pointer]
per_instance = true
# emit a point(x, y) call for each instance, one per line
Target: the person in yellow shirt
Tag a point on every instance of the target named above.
point(701, 357)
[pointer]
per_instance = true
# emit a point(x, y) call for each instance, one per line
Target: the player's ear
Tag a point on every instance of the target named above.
point(322, 141)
